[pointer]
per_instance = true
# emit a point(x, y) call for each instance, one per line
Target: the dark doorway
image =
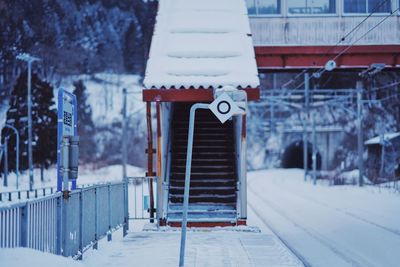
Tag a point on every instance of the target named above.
point(293, 156)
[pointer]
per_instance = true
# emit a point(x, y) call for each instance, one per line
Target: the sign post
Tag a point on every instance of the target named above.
point(223, 108)
point(66, 126)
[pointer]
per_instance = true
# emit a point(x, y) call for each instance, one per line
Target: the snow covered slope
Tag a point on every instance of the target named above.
point(105, 94)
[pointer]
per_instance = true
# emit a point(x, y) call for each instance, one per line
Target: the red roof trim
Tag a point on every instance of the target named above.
point(189, 95)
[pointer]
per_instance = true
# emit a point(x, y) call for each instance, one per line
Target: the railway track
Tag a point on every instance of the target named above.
point(351, 214)
point(283, 240)
point(348, 257)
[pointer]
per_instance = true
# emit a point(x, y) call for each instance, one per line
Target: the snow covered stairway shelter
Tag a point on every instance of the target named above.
point(213, 177)
point(197, 47)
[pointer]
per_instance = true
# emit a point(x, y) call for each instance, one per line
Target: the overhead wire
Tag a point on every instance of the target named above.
point(342, 39)
point(322, 69)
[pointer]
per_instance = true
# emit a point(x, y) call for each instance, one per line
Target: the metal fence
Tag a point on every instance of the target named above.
point(139, 197)
point(66, 224)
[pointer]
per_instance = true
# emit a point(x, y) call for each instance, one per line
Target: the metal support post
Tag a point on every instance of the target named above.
point(124, 148)
point(29, 99)
point(109, 233)
point(159, 163)
point(272, 105)
point(23, 234)
point(359, 134)
point(81, 220)
point(126, 210)
point(29, 60)
point(187, 180)
point(150, 158)
point(96, 220)
point(314, 151)
point(5, 182)
point(305, 127)
point(124, 162)
point(65, 163)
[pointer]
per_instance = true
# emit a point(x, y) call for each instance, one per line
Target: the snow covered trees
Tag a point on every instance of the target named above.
point(44, 123)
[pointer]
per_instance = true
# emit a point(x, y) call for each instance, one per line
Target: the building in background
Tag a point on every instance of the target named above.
point(297, 34)
point(296, 38)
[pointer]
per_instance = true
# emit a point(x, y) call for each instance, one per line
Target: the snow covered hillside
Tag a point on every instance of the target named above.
point(105, 94)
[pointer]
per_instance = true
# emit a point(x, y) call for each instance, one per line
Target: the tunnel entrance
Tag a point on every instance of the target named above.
point(293, 156)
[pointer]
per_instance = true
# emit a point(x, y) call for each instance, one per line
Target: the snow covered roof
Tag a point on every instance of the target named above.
point(377, 139)
point(201, 43)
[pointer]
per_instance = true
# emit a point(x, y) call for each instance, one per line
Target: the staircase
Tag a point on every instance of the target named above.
point(212, 199)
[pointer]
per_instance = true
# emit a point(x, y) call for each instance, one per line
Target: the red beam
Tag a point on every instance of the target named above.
point(207, 224)
point(279, 57)
point(190, 95)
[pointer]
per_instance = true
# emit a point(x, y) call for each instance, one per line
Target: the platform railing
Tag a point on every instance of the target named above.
point(139, 197)
point(26, 194)
point(65, 224)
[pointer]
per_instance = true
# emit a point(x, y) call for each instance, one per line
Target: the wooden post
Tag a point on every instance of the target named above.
point(150, 158)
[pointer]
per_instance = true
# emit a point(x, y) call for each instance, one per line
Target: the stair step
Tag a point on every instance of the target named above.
point(206, 160)
point(200, 183)
point(199, 168)
point(173, 206)
point(205, 142)
point(213, 174)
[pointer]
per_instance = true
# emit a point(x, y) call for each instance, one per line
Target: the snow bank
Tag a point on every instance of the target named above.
point(23, 257)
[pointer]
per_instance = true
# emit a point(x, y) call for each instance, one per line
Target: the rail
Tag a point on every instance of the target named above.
point(26, 194)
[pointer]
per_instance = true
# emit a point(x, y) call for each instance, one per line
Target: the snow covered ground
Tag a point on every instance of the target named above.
point(243, 246)
point(300, 223)
point(87, 175)
point(328, 226)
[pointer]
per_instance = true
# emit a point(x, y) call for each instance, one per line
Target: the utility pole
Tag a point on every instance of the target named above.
point(305, 141)
point(29, 60)
point(359, 86)
point(314, 151)
point(124, 129)
point(272, 105)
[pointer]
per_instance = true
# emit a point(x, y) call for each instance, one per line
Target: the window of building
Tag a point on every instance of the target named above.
point(311, 7)
point(264, 7)
point(367, 6)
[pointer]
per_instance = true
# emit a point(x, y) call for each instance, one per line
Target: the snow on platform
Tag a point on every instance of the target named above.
point(203, 43)
point(236, 246)
point(24, 257)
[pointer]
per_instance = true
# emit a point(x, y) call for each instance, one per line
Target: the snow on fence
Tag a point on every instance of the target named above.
point(26, 194)
point(65, 224)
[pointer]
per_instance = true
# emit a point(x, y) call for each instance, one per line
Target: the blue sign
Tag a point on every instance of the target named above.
point(66, 126)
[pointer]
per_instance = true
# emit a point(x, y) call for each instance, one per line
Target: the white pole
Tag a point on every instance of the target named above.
point(29, 99)
point(187, 180)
